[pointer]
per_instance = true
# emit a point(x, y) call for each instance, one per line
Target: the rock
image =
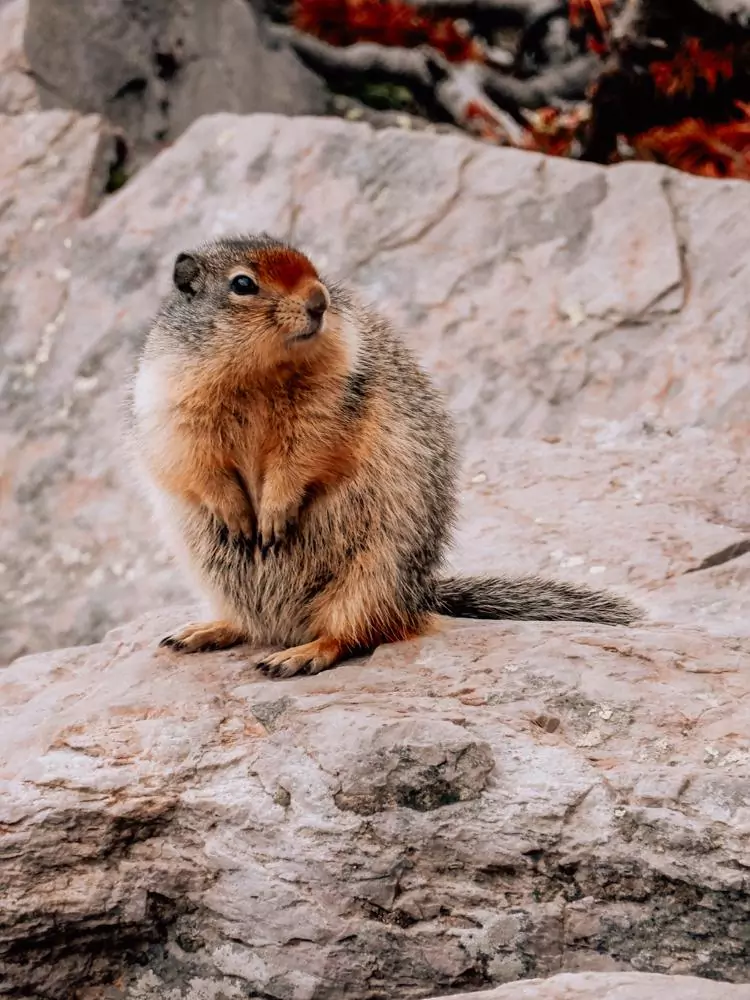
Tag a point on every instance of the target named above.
point(587, 324)
point(554, 507)
point(18, 92)
point(155, 70)
point(413, 765)
point(53, 170)
point(603, 986)
point(495, 802)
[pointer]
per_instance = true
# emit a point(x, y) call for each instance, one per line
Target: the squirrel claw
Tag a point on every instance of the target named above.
point(278, 666)
point(241, 527)
point(171, 642)
point(236, 524)
point(266, 543)
point(203, 637)
point(310, 658)
point(274, 532)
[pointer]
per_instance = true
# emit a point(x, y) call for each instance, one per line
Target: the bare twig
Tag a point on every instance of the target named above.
point(732, 11)
point(460, 91)
point(560, 83)
point(447, 91)
point(474, 96)
point(366, 60)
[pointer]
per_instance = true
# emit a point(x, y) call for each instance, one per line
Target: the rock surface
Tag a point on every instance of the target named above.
point(594, 986)
point(492, 803)
point(153, 69)
point(598, 315)
point(18, 91)
point(495, 802)
point(53, 170)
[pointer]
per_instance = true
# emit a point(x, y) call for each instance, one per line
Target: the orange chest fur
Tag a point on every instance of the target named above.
point(245, 435)
point(260, 434)
point(261, 437)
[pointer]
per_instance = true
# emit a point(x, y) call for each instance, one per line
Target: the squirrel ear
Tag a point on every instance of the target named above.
point(187, 271)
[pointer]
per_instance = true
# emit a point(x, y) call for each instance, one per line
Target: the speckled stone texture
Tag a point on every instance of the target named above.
point(589, 327)
point(494, 803)
point(491, 803)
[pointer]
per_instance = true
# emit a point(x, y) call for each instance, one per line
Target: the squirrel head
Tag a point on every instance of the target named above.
point(254, 298)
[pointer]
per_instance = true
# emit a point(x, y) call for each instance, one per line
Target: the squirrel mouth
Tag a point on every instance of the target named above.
point(314, 326)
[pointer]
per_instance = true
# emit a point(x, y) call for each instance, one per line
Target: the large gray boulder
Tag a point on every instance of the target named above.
point(588, 325)
point(153, 67)
point(497, 802)
point(18, 91)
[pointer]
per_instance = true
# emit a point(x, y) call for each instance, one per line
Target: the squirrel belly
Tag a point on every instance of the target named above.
point(306, 467)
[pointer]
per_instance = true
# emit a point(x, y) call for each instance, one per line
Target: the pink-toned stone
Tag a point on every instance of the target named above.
point(497, 802)
point(621, 986)
point(604, 310)
point(18, 92)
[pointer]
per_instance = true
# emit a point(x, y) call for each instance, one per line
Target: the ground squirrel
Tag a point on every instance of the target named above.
point(305, 467)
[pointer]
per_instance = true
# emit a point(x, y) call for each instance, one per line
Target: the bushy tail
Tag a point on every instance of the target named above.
point(530, 597)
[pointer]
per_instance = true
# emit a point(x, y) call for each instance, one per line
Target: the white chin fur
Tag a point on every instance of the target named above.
point(351, 338)
point(148, 383)
point(151, 390)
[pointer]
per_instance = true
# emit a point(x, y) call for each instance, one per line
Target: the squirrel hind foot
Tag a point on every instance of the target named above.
point(310, 658)
point(202, 637)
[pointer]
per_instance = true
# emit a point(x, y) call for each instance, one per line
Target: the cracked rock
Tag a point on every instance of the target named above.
point(496, 802)
point(18, 92)
point(588, 326)
point(159, 828)
point(154, 70)
point(414, 764)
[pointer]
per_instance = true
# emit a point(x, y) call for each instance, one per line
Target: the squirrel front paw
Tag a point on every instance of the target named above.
point(274, 528)
point(238, 518)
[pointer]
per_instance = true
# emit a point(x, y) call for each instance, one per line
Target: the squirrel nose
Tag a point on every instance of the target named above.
point(317, 303)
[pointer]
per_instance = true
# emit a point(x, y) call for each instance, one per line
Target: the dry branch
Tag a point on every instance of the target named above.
point(560, 83)
point(366, 60)
point(598, 79)
point(472, 95)
point(447, 91)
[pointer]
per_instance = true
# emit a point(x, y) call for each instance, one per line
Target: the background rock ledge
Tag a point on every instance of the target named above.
point(492, 803)
point(602, 310)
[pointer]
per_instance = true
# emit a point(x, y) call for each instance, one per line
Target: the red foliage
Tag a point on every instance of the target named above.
point(387, 22)
point(592, 16)
point(690, 64)
point(553, 131)
point(480, 120)
point(693, 145)
point(701, 147)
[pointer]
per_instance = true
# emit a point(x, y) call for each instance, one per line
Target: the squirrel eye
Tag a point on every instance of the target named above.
point(243, 284)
